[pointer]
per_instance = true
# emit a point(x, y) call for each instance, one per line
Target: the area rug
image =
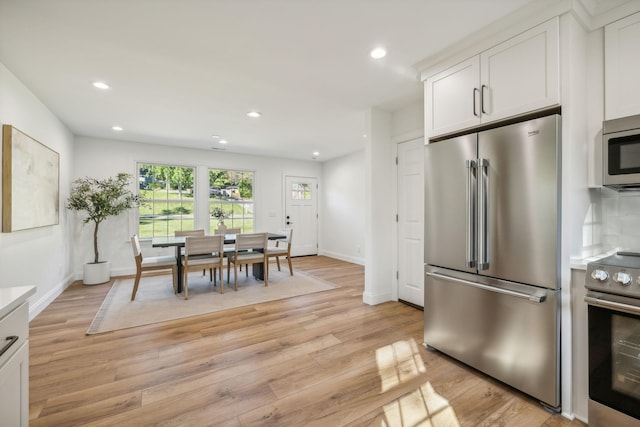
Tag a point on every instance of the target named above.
point(155, 301)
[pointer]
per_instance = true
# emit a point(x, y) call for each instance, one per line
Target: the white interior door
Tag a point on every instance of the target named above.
point(301, 214)
point(411, 222)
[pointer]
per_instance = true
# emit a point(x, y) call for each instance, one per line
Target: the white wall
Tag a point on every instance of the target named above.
point(39, 256)
point(385, 131)
point(343, 213)
point(575, 195)
point(380, 210)
point(407, 123)
point(101, 158)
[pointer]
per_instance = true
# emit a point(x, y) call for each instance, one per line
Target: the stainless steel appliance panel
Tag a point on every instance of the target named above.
point(613, 301)
point(447, 198)
point(602, 416)
point(506, 330)
point(521, 179)
point(621, 153)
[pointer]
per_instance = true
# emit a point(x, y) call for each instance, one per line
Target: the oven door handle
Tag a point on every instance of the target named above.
point(600, 301)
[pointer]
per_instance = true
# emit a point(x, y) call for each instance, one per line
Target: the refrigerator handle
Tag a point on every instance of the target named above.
point(531, 297)
point(471, 224)
point(483, 201)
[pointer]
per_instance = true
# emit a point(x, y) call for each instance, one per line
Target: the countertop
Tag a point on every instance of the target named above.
point(10, 298)
point(580, 263)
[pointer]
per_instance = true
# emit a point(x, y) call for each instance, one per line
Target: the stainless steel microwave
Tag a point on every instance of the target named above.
point(621, 153)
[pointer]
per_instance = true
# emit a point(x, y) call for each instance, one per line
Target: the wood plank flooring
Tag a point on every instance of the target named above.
point(325, 359)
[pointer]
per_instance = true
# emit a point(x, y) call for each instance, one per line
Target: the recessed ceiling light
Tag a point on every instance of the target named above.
point(101, 85)
point(316, 154)
point(254, 114)
point(223, 141)
point(117, 128)
point(215, 136)
point(378, 52)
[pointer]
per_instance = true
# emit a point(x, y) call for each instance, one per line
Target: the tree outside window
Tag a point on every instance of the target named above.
point(232, 191)
point(169, 191)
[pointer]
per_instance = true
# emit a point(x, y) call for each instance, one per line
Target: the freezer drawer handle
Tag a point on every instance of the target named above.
point(530, 297)
point(611, 305)
point(12, 339)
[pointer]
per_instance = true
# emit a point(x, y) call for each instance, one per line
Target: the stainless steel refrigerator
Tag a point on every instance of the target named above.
point(492, 245)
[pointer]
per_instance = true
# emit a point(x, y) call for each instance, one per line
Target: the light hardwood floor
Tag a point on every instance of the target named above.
point(324, 359)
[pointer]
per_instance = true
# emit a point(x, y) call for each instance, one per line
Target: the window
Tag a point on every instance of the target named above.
point(168, 191)
point(300, 191)
point(231, 194)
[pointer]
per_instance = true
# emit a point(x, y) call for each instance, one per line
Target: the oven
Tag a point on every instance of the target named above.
point(621, 153)
point(613, 299)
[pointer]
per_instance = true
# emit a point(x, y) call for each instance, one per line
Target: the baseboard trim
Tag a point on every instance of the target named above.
point(370, 299)
point(37, 307)
point(342, 257)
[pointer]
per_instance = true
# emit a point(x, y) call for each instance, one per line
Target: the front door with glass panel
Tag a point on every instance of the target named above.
point(301, 214)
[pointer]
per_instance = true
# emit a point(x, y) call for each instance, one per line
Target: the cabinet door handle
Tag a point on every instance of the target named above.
point(12, 339)
point(483, 87)
point(475, 111)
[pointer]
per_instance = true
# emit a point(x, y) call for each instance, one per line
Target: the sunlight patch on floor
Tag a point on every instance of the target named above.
point(398, 363)
point(401, 362)
point(422, 407)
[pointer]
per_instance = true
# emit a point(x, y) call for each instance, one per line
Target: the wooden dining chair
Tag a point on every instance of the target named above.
point(230, 247)
point(202, 252)
point(282, 248)
point(250, 248)
point(186, 233)
point(189, 232)
point(226, 230)
point(168, 262)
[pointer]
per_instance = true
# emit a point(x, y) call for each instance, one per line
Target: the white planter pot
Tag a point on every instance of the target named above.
point(96, 273)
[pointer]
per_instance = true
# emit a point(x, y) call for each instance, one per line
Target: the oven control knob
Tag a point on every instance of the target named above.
point(600, 275)
point(622, 278)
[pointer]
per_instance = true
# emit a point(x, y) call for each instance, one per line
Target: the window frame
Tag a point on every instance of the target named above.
point(193, 202)
point(212, 223)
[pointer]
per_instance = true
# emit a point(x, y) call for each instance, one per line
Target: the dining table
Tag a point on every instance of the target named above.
point(179, 242)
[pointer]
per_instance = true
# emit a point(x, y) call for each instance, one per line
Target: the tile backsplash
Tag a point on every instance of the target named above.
point(613, 222)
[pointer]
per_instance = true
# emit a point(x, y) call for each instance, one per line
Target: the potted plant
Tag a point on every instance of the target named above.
point(100, 199)
point(218, 214)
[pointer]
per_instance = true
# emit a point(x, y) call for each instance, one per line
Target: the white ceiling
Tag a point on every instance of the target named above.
point(183, 70)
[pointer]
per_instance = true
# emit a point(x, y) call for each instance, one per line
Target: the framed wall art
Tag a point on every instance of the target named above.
point(30, 182)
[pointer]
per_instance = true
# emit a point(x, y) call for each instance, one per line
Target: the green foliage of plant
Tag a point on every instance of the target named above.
point(100, 199)
point(223, 179)
point(167, 177)
point(217, 213)
point(245, 188)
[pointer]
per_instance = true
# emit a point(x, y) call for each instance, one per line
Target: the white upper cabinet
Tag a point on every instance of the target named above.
point(452, 98)
point(519, 75)
point(622, 67)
